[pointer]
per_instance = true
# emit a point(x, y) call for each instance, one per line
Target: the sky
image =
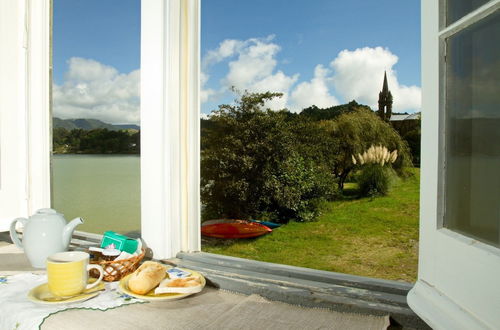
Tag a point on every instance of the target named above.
point(316, 52)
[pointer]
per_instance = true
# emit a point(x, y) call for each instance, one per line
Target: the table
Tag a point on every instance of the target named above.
point(210, 309)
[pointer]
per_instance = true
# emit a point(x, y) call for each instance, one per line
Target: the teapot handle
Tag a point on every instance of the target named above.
point(13, 234)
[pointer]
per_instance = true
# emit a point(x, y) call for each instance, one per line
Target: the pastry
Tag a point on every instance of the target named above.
point(184, 282)
point(191, 284)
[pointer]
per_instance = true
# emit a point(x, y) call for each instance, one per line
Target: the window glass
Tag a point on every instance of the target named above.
point(455, 9)
point(96, 133)
point(473, 125)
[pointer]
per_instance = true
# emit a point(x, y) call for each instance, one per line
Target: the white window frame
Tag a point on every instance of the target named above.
point(458, 283)
point(170, 46)
point(25, 143)
point(170, 69)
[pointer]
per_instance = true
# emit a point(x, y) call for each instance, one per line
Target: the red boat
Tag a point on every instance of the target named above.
point(233, 229)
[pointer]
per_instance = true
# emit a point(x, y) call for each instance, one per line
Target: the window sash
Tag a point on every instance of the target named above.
point(458, 277)
point(444, 33)
point(455, 9)
point(465, 211)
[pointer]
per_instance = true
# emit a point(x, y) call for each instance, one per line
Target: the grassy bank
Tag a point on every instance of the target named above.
point(370, 237)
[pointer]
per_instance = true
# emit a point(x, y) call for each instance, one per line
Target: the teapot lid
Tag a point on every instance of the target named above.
point(46, 211)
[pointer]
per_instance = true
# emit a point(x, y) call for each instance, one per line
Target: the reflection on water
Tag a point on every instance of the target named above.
point(102, 189)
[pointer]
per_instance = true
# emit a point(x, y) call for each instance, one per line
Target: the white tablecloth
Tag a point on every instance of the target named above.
point(18, 312)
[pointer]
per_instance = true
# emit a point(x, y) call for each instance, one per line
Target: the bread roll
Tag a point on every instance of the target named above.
point(146, 277)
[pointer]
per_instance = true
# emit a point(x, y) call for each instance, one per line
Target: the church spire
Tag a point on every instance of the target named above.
point(385, 101)
point(385, 87)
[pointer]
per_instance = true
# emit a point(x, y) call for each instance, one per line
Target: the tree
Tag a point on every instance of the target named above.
point(356, 132)
point(258, 163)
point(95, 141)
point(251, 165)
point(410, 132)
point(60, 140)
point(318, 114)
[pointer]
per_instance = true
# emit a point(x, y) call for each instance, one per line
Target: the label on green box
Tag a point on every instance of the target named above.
point(121, 242)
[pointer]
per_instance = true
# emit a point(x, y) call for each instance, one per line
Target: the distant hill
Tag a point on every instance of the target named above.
point(128, 126)
point(88, 124)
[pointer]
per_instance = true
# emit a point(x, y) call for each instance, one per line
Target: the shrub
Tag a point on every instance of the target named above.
point(356, 132)
point(376, 155)
point(297, 188)
point(252, 166)
point(375, 179)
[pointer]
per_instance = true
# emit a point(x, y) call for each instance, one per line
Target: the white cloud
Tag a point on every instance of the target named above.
point(205, 93)
point(227, 48)
point(314, 92)
point(255, 62)
point(358, 75)
point(204, 116)
point(94, 90)
point(252, 66)
point(278, 82)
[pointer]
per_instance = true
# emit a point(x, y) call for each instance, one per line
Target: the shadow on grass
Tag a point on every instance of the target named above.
point(226, 242)
point(350, 192)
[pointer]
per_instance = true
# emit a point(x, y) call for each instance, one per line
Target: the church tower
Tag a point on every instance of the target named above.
point(385, 101)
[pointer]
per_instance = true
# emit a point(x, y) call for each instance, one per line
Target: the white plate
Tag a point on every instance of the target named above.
point(123, 287)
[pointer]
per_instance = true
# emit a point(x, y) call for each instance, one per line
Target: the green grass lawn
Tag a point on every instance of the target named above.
point(370, 237)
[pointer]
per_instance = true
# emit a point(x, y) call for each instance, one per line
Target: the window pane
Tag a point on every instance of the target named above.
point(96, 133)
point(473, 127)
point(456, 9)
point(102, 189)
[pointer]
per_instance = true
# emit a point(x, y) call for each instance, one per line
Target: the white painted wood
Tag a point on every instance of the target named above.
point(459, 278)
point(169, 138)
point(24, 108)
point(430, 134)
point(12, 105)
point(154, 148)
point(436, 308)
point(39, 104)
point(191, 108)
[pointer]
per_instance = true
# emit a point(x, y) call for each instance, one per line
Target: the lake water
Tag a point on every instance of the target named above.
point(102, 189)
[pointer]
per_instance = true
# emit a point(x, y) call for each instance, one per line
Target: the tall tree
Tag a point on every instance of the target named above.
point(356, 132)
point(251, 165)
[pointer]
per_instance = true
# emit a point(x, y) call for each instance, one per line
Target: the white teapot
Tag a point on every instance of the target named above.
point(45, 233)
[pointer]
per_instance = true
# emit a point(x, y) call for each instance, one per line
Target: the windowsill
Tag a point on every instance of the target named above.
point(306, 287)
point(295, 285)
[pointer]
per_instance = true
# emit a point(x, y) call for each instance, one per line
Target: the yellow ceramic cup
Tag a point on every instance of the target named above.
point(68, 275)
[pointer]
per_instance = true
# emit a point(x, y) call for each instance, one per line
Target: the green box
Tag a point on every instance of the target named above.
point(121, 242)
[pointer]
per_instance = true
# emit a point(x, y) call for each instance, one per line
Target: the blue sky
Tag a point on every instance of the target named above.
point(322, 52)
point(107, 31)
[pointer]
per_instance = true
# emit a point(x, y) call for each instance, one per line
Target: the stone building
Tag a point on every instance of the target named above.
point(385, 101)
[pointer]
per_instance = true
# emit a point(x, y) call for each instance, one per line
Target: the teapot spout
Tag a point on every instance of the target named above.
point(68, 230)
